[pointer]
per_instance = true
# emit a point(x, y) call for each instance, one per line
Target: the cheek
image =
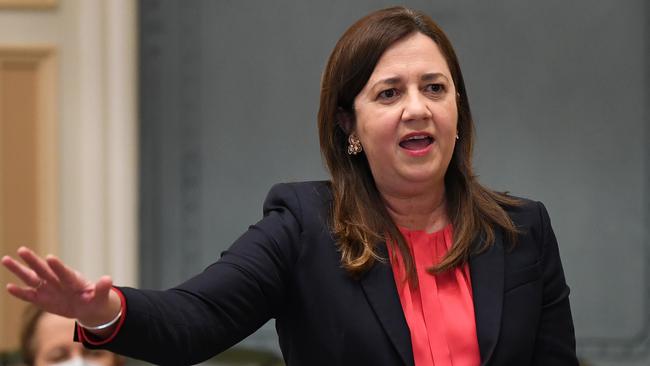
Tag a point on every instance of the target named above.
point(39, 362)
point(378, 141)
point(376, 131)
point(446, 118)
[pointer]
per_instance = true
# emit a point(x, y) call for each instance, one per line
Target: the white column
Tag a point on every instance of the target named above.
point(101, 219)
point(91, 197)
point(121, 141)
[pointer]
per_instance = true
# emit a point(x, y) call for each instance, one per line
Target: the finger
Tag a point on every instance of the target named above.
point(37, 264)
point(21, 271)
point(24, 293)
point(66, 275)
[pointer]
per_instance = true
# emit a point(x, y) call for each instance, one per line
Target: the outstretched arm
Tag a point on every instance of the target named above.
point(189, 323)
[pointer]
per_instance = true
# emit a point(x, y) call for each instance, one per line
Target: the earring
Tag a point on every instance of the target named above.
point(354, 145)
point(457, 137)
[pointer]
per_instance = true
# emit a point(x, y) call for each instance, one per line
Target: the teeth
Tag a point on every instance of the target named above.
point(418, 137)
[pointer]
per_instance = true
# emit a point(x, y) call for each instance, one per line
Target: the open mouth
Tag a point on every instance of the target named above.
point(416, 142)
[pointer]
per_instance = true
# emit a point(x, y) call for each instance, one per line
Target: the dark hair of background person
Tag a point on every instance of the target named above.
point(27, 347)
point(360, 219)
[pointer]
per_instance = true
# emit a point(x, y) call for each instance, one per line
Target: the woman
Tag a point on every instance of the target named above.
point(403, 258)
point(46, 341)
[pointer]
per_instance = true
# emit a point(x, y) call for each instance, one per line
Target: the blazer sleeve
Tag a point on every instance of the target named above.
point(225, 303)
point(555, 341)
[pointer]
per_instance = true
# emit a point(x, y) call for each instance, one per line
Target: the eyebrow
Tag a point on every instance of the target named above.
point(432, 76)
point(396, 79)
point(390, 81)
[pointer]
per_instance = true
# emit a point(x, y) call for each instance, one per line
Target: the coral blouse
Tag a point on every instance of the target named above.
point(440, 311)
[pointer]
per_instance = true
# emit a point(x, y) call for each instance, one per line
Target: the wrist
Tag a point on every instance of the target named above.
point(107, 317)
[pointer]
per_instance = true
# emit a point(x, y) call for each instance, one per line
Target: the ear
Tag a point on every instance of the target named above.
point(345, 120)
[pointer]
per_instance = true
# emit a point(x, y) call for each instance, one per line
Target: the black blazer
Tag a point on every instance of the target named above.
point(287, 267)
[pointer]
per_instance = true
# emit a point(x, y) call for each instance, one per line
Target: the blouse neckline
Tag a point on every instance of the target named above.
point(421, 232)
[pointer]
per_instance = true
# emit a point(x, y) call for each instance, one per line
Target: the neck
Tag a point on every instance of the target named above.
point(426, 210)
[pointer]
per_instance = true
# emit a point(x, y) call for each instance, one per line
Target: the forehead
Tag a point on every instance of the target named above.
point(415, 54)
point(53, 330)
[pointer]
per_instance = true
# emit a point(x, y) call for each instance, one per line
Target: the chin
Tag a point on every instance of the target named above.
point(431, 177)
point(429, 171)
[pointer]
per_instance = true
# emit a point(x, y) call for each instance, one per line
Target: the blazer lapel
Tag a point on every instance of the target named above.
point(379, 287)
point(487, 274)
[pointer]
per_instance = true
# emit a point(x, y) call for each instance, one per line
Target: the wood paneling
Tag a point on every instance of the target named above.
point(28, 165)
point(28, 4)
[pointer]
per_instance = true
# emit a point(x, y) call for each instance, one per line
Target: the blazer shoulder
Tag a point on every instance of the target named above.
point(320, 190)
point(301, 193)
point(527, 212)
point(532, 220)
point(307, 201)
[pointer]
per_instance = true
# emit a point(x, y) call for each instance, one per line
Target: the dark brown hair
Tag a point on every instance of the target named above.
point(27, 347)
point(360, 221)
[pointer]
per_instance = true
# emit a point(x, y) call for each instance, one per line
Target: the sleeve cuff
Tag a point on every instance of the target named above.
point(89, 338)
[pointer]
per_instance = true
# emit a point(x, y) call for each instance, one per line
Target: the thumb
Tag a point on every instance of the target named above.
point(102, 288)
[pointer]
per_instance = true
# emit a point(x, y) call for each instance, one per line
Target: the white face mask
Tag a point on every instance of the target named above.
point(76, 361)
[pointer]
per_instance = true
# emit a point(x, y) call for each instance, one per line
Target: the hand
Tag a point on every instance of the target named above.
point(58, 289)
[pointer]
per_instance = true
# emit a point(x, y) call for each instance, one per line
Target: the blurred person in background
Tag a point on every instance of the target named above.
point(45, 341)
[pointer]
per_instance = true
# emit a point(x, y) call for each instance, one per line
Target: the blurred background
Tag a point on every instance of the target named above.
point(139, 138)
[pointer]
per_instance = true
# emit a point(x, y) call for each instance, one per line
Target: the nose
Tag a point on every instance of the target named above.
point(415, 107)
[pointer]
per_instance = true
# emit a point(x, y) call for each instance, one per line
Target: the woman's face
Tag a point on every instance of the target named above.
point(406, 116)
point(54, 345)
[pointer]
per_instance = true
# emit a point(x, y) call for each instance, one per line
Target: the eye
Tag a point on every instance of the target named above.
point(388, 94)
point(94, 353)
point(435, 88)
point(58, 354)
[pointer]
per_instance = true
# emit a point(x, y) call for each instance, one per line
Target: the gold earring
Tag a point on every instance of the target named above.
point(354, 145)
